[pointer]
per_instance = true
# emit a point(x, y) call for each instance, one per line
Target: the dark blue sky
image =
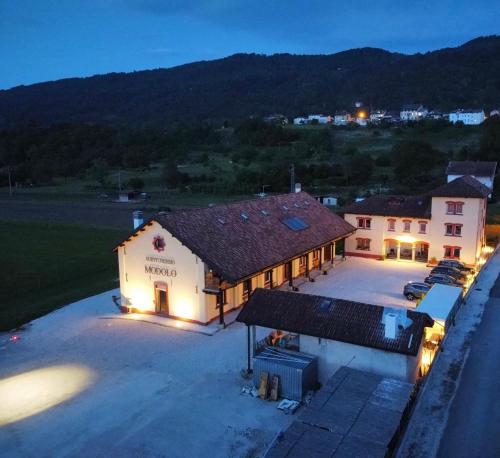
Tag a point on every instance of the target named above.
point(51, 39)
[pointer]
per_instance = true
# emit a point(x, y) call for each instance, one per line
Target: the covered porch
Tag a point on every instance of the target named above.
point(406, 249)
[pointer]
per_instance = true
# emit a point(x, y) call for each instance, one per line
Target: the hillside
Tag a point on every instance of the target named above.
point(248, 84)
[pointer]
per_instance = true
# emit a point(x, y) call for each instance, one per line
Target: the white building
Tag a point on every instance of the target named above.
point(448, 222)
point(319, 118)
point(468, 117)
point(376, 117)
point(198, 264)
point(413, 112)
point(342, 118)
point(366, 337)
point(482, 171)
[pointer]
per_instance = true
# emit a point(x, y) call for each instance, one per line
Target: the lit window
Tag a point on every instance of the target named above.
point(363, 244)
point(452, 252)
point(268, 278)
point(391, 225)
point(406, 225)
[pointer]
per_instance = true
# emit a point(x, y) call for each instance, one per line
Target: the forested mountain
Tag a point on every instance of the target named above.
point(243, 85)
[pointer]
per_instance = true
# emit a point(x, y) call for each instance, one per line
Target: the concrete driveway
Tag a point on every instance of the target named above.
point(369, 281)
point(74, 384)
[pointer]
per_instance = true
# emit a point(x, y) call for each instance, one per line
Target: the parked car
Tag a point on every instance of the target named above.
point(451, 271)
point(442, 279)
point(456, 264)
point(415, 290)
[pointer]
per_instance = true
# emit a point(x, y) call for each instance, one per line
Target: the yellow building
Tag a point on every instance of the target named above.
point(448, 222)
point(198, 264)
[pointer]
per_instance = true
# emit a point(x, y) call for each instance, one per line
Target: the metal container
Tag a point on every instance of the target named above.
point(298, 372)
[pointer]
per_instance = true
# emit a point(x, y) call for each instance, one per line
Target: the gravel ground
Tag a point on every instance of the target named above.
point(369, 281)
point(132, 389)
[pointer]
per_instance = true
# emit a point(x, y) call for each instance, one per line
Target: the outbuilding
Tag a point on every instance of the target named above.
point(197, 264)
point(381, 340)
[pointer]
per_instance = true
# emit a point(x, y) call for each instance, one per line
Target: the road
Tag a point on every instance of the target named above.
point(473, 428)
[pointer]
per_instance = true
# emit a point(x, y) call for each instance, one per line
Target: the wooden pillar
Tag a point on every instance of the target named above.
point(271, 278)
point(398, 250)
point(307, 265)
point(221, 308)
point(249, 351)
point(290, 273)
point(332, 250)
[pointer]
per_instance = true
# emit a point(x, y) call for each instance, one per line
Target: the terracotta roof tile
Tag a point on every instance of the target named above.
point(382, 205)
point(240, 239)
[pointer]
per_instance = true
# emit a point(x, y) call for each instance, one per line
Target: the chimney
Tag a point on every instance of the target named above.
point(138, 218)
point(391, 325)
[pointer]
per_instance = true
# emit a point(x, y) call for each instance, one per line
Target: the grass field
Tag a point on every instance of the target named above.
point(45, 266)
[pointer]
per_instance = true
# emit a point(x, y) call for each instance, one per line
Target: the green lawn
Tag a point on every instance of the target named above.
point(45, 266)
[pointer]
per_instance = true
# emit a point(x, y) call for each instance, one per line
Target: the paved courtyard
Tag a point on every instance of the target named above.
point(74, 384)
point(368, 280)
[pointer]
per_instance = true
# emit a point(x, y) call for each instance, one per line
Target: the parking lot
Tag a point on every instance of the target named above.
point(369, 281)
point(88, 386)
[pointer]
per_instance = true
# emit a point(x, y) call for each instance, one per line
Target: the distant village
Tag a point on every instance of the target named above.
point(362, 115)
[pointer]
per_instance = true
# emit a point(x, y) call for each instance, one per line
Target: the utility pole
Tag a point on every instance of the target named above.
point(10, 181)
point(292, 178)
point(119, 180)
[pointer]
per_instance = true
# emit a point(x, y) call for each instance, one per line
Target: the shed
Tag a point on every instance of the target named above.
point(441, 304)
point(298, 372)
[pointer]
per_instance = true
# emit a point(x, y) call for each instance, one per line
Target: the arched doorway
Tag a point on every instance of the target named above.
point(421, 251)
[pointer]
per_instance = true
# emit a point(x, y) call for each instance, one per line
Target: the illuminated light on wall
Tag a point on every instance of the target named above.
point(35, 391)
point(183, 309)
point(139, 300)
point(406, 239)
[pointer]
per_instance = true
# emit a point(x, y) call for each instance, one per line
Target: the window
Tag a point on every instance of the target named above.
point(316, 255)
point(406, 225)
point(453, 230)
point(222, 297)
point(422, 227)
point(452, 252)
point(391, 225)
point(247, 289)
point(364, 223)
point(454, 208)
point(302, 261)
point(363, 244)
point(268, 278)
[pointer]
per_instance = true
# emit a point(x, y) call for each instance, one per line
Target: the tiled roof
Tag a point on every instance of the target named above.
point(382, 205)
point(465, 186)
point(334, 319)
point(240, 239)
point(475, 168)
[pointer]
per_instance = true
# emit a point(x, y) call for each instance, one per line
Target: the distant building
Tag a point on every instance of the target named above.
point(342, 118)
point(436, 115)
point(482, 171)
point(413, 112)
point(327, 199)
point(276, 118)
point(494, 113)
point(300, 121)
point(377, 116)
point(319, 118)
point(468, 117)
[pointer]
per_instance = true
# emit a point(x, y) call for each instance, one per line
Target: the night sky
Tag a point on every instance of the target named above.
point(48, 39)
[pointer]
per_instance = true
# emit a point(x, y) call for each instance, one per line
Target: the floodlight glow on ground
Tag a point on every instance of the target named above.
point(32, 392)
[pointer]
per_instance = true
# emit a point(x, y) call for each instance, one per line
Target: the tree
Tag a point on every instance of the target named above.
point(99, 171)
point(170, 176)
point(135, 183)
point(489, 149)
point(358, 168)
point(414, 161)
